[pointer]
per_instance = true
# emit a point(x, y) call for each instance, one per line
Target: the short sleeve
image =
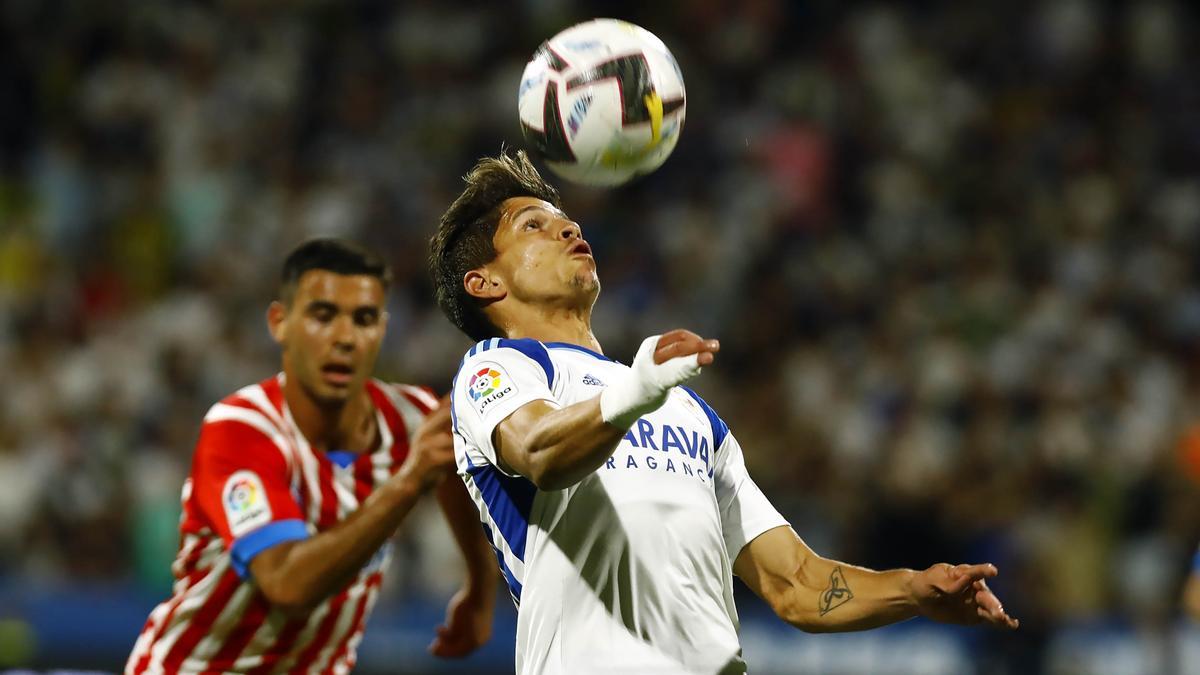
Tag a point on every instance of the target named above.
point(240, 481)
point(745, 510)
point(496, 378)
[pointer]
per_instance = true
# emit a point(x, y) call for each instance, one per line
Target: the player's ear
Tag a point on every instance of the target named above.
point(481, 283)
point(276, 313)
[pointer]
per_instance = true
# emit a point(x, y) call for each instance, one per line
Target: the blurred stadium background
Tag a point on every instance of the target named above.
point(950, 248)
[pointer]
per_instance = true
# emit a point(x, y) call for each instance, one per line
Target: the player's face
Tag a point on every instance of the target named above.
point(331, 333)
point(542, 256)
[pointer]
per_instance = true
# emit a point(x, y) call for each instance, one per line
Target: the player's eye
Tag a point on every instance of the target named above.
point(322, 314)
point(366, 317)
point(533, 224)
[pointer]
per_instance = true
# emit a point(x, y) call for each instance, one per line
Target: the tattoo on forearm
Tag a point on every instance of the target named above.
point(837, 594)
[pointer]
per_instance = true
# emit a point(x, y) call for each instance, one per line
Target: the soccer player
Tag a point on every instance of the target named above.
point(617, 500)
point(298, 482)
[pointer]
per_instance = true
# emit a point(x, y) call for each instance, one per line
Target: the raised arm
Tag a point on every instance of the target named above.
point(819, 595)
point(297, 575)
point(557, 447)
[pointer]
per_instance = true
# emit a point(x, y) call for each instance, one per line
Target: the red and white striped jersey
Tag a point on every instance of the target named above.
point(256, 482)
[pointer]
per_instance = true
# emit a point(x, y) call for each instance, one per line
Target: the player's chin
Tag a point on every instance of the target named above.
point(586, 279)
point(334, 393)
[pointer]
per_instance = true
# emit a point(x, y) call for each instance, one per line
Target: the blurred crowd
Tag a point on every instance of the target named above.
point(949, 248)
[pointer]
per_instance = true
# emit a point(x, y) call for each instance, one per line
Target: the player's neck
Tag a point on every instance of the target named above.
point(554, 325)
point(347, 426)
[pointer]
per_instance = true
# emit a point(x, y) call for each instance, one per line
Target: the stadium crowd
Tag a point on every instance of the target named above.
point(950, 250)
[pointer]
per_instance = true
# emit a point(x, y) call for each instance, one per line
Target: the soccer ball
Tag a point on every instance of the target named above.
point(602, 102)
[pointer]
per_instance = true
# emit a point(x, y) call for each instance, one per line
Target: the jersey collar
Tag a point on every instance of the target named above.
point(585, 350)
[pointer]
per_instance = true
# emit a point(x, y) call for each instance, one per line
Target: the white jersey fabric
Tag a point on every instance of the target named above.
point(630, 569)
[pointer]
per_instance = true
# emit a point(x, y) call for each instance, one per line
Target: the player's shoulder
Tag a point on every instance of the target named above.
point(504, 351)
point(252, 404)
point(720, 430)
point(402, 398)
point(245, 423)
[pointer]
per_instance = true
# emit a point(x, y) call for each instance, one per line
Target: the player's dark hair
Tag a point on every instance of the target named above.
point(464, 238)
point(334, 255)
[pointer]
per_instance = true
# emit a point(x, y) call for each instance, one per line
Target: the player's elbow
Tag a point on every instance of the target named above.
point(550, 478)
point(288, 598)
point(547, 472)
point(795, 606)
point(794, 598)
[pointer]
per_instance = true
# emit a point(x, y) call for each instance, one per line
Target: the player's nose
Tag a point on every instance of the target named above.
point(343, 333)
point(570, 230)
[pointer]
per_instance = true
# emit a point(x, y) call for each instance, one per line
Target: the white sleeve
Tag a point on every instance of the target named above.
point(745, 511)
point(496, 378)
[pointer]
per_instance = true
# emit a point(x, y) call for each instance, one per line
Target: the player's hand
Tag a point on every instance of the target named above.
point(959, 594)
point(432, 451)
point(680, 342)
point(661, 363)
point(468, 625)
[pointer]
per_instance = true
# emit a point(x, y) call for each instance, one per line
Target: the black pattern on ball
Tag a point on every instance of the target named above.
point(551, 141)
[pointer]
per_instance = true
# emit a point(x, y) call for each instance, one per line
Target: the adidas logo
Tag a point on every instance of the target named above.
point(592, 380)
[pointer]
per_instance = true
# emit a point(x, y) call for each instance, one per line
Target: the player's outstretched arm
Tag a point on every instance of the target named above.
point(819, 595)
point(469, 615)
point(558, 447)
point(297, 575)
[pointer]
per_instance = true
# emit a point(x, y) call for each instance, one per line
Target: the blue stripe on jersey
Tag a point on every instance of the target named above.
point(585, 350)
point(531, 348)
point(1196, 562)
point(250, 545)
point(509, 501)
point(536, 351)
point(719, 428)
point(514, 586)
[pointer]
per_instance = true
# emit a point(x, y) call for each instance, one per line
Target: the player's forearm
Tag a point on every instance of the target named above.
point(463, 519)
point(298, 575)
point(831, 596)
point(566, 445)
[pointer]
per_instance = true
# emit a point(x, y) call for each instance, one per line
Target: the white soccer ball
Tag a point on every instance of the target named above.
point(602, 102)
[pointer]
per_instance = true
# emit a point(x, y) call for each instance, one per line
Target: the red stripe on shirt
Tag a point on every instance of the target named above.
point(282, 647)
point(418, 401)
point(241, 635)
point(329, 500)
point(202, 622)
point(274, 392)
point(190, 581)
point(356, 625)
point(395, 422)
point(309, 655)
point(364, 479)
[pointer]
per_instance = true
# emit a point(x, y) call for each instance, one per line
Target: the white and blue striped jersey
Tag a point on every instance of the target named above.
point(630, 569)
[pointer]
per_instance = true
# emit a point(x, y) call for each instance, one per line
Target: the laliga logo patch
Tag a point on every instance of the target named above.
point(489, 384)
point(245, 501)
point(243, 495)
point(484, 382)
